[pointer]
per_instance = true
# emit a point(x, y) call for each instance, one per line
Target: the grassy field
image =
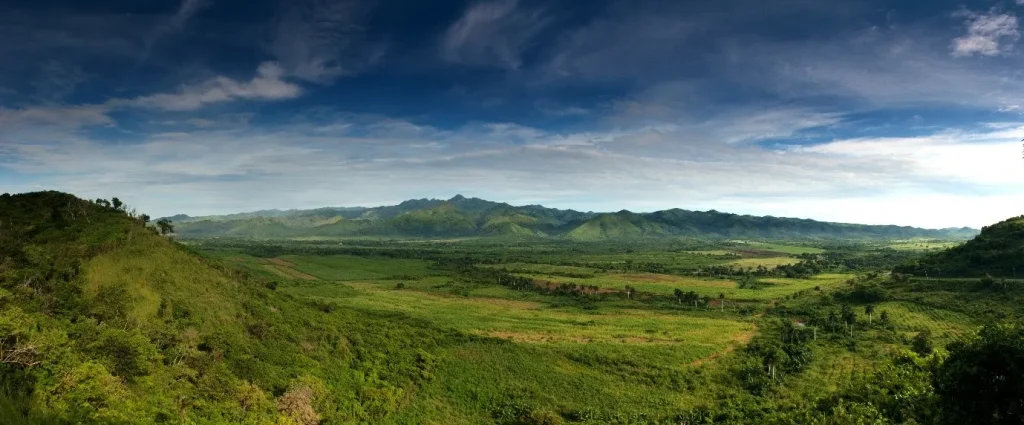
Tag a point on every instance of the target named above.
point(775, 247)
point(910, 318)
point(602, 355)
point(662, 284)
point(768, 262)
point(925, 245)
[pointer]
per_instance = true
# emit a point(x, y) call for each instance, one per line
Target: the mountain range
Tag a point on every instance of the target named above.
point(473, 217)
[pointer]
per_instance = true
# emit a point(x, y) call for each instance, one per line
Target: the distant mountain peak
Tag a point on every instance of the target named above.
point(457, 197)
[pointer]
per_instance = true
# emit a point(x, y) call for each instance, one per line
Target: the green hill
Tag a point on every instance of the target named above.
point(621, 225)
point(998, 251)
point(468, 217)
point(104, 321)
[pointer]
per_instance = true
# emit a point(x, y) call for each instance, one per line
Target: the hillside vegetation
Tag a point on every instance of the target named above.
point(997, 251)
point(467, 217)
point(104, 321)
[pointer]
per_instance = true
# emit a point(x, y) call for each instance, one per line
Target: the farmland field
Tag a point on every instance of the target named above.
point(601, 331)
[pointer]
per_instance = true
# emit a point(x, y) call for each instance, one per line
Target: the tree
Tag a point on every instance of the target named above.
point(693, 297)
point(884, 318)
point(772, 356)
point(849, 317)
point(116, 203)
point(165, 226)
point(144, 218)
point(721, 300)
point(629, 292)
point(833, 318)
point(922, 343)
point(679, 295)
point(980, 381)
point(869, 310)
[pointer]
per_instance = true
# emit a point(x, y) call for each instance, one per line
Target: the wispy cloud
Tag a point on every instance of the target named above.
point(988, 34)
point(873, 68)
point(185, 11)
point(266, 85)
point(492, 33)
point(320, 41)
point(634, 44)
point(61, 116)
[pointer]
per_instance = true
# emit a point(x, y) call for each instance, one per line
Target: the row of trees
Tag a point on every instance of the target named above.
point(163, 226)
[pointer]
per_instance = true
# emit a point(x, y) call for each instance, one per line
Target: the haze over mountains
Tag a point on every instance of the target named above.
point(474, 217)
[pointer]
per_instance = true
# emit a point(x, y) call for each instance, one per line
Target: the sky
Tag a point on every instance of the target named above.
point(862, 111)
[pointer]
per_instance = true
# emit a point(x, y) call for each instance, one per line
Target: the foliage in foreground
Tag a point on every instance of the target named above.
point(103, 321)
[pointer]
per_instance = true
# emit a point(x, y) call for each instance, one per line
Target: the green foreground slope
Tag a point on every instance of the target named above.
point(103, 321)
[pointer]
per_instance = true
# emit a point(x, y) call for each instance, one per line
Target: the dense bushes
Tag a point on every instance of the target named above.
point(103, 321)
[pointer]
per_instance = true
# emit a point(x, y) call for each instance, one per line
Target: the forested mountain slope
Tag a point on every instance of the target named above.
point(104, 321)
point(465, 217)
point(997, 251)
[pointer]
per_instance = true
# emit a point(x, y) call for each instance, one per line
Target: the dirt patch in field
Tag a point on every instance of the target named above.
point(533, 337)
point(538, 337)
point(756, 253)
point(281, 262)
point(279, 267)
point(739, 339)
point(513, 304)
point(648, 277)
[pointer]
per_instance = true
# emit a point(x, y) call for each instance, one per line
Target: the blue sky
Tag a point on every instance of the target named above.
point(857, 111)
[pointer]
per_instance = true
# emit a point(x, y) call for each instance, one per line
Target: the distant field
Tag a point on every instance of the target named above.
point(921, 245)
point(769, 262)
point(599, 351)
point(786, 249)
point(666, 284)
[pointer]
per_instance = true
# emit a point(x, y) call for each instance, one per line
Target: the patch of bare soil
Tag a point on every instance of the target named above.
point(284, 267)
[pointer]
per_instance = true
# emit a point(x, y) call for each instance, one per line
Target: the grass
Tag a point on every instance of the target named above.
point(910, 318)
point(348, 267)
point(533, 322)
point(662, 284)
point(769, 262)
point(785, 249)
point(921, 245)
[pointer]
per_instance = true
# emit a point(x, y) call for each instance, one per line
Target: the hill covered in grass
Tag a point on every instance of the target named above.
point(997, 251)
point(102, 320)
point(473, 217)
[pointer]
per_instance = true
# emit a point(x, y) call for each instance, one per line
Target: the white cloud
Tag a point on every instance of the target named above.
point(898, 181)
point(493, 33)
point(266, 85)
point(988, 34)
